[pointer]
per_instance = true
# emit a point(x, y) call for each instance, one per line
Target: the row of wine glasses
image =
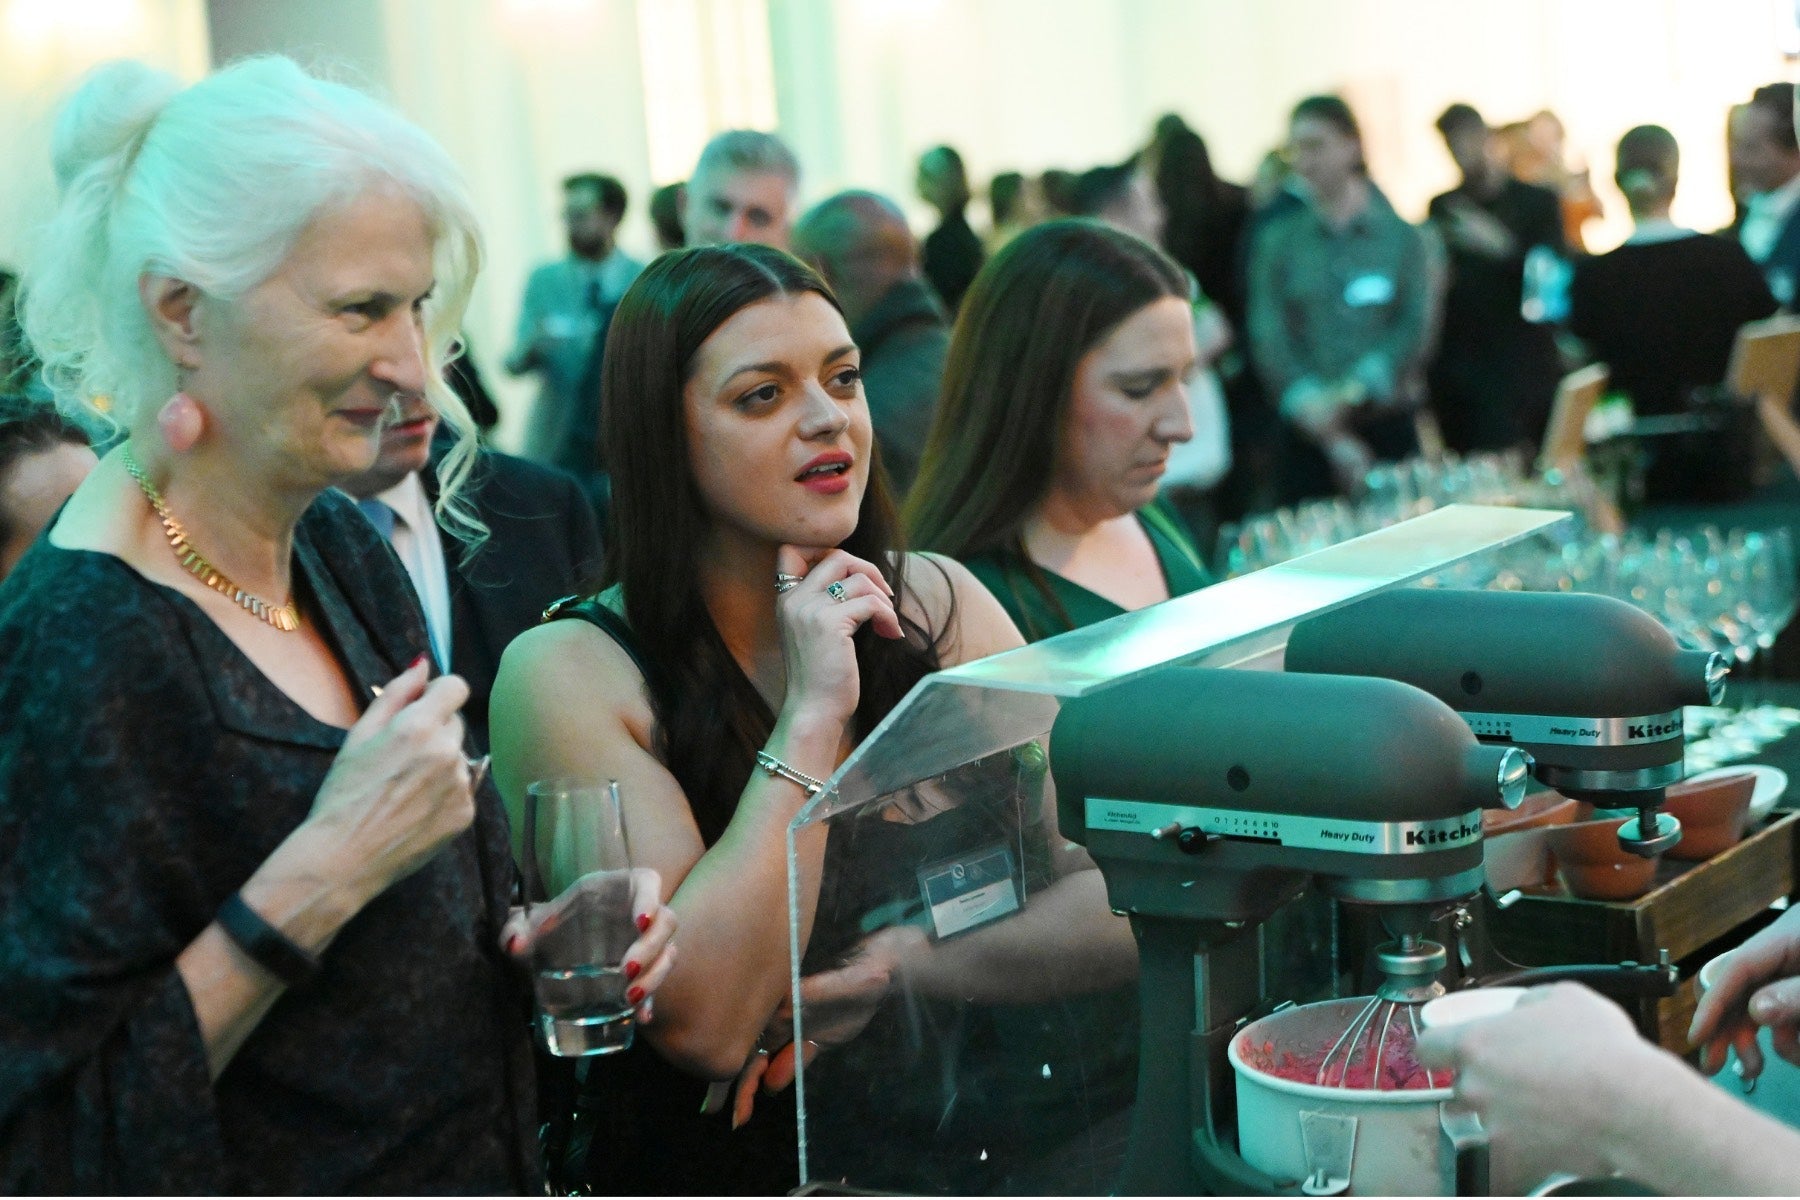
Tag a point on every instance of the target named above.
point(1393, 492)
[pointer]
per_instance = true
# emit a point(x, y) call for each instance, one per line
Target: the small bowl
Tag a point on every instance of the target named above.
point(1544, 808)
point(1771, 785)
point(1594, 866)
point(1712, 812)
point(1515, 845)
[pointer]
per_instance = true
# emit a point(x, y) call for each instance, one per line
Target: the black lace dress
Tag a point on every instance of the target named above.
point(147, 768)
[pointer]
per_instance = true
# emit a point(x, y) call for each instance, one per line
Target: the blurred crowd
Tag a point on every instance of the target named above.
point(1332, 334)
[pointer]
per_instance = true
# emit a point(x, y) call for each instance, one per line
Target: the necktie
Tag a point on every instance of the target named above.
point(380, 516)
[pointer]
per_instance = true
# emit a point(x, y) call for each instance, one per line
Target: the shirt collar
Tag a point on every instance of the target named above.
point(409, 502)
point(1362, 222)
point(1780, 202)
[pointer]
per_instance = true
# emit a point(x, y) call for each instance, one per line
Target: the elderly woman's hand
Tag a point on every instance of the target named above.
point(1758, 985)
point(400, 787)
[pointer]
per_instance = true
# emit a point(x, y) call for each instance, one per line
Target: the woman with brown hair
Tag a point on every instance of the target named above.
point(1064, 392)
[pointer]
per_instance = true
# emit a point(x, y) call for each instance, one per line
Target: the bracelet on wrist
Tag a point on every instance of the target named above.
point(267, 946)
point(780, 770)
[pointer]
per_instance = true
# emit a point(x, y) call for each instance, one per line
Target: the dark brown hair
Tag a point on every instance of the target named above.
point(710, 720)
point(1646, 164)
point(1050, 296)
point(1332, 111)
point(29, 427)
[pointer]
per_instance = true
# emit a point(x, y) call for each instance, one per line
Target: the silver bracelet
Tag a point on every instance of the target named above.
point(781, 770)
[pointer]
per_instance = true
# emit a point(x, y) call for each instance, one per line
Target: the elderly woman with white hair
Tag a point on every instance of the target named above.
point(252, 897)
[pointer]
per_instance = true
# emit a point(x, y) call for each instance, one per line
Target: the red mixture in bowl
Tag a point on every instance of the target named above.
point(1400, 1069)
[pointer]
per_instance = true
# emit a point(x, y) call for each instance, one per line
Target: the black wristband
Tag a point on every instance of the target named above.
point(273, 950)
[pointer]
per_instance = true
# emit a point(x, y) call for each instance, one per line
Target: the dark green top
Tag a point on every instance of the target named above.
point(1006, 574)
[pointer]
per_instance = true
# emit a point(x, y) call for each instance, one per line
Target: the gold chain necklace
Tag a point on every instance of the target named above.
point(284, 617)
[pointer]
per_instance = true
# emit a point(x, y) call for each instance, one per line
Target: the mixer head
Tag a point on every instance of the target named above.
point(1589, 686)
point(1213, 795)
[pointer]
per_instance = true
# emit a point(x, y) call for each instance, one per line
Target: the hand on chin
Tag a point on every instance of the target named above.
point(809, 554)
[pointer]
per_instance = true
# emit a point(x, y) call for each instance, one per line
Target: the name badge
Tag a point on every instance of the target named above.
point(1366, 291)
point(963, 893)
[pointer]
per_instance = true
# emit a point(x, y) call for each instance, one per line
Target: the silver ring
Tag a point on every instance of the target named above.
point(838, 592)
point(785, 582)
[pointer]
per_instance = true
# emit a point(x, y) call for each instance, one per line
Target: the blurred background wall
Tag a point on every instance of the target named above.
point(525, 91)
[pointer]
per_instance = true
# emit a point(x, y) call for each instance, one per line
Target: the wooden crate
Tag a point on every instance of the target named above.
point(1690, 906)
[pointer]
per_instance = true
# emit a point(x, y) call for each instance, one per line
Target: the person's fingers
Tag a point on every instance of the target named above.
point(781, 1070)
point(650, 973)
point(796, 560)
point(857, 980)
point(442, 698)
point(1786, 1041)
point(822, 568)
point(390, 700)
point(1707, 1016)
point(805, 560)
point(878, 611)
point(1713, 1054)
point(646, 894)
point(654, 940)
point(862, 568)
point(515, 935)
point(1437, 1048)
point(1750, 1056)
point(858, 588)
point(646, 1012)
point(744, 1102)
point(1776, 1004)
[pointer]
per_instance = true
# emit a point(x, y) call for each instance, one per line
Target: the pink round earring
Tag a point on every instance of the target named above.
point(181, 421)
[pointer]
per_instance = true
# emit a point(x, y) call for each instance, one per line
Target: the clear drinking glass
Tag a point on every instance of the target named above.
point(575, 849)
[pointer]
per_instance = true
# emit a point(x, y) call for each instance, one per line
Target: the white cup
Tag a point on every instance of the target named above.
point(1471, 1004)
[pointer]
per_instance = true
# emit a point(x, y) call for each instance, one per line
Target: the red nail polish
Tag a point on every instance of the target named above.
point(633, 970)
point(415, 662)
point(633, 994)
point(643, 922)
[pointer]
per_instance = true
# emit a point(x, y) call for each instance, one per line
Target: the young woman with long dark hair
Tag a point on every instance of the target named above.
point(756, 623)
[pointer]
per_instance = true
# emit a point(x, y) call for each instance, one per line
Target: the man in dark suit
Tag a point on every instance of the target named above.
point(543, 544)
point(952, 254)
point(1765, 165)
point(1496, 371)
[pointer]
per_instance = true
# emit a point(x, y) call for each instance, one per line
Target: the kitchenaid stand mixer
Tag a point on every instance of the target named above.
point(1209, 799)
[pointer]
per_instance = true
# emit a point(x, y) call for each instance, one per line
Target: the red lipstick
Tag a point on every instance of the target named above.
point(827, 475)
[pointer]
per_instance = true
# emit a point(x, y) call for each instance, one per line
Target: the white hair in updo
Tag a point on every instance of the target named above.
point(213, 184)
